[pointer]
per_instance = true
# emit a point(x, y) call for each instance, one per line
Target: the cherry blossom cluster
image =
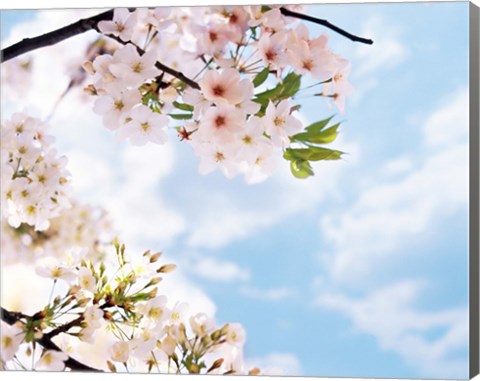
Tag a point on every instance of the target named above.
point(226, 78)
point(107, 292)
point(35, 185)
point(79, 231)
point(16, 77)
point(117, 300)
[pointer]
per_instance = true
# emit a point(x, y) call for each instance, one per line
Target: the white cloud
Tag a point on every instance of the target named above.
point(276, 364)
point(137, 206)
point(397, 166)
point(386, 214)
point(393, 316)
point(238, 211)
point(179, 287)
point(411, 196)
point(268, 294)
point(219, 227)
point(215, 269)
point(84, 180)
point(446, 127)
point(147, 165)
point(52, 65)
point(387, 52)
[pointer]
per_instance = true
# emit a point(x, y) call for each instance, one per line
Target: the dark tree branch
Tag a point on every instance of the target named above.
point(46, 341)
point(84, 25)
point(81, 26)
point(51, 38)
point(325, 23)
point(11, 317)
point(64, 328)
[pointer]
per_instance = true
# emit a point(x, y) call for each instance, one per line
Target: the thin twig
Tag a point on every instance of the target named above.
point(325, 23)
point(177, 74)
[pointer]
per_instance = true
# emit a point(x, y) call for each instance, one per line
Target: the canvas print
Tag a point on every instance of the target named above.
point(251, 189)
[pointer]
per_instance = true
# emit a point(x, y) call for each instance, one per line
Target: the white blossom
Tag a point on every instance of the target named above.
point(236, 334)
point(225, 87)
point(120, 351)
point(131, 68)
point(122, 25)
point(51, 268)
point(143, 126)
point(202, 324)
point(11, 336)
point(36, 182)
point(52, 361)
point(280, 124)
point(86, 280)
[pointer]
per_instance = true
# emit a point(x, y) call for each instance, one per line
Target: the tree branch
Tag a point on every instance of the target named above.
point(64, 328)
point(58, 35)
point(12, 317)
point(81, 26)
point(325, 23)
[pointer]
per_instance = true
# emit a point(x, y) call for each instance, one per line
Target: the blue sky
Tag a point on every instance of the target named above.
point(361, 271)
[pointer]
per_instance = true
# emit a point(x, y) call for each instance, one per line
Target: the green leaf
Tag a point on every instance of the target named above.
point(320, 153)
point(312, 153)
point(322, 137)
point(319, 126)
point(301, 169)
point(181, 116)
point(269, 94)
point(183, 106)
point(261, 77)
point(288, 88)
point(291, 85)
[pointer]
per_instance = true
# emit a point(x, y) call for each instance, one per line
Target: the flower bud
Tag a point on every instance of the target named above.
point(153, 293)
point(111, 366)
point(88, 67)
point(116, 244)
point(217, 364)
point(206, 340)
point(225, 329)
point(154, 281)
point(182, 335)
point(216, 335)
point(132, 278)
point(166, 268)
point(154, 257)
point(194, 369)
point(83, 302)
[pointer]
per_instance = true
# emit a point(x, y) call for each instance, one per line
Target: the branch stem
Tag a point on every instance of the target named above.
point(325, 23)
point(54, 37)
